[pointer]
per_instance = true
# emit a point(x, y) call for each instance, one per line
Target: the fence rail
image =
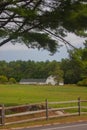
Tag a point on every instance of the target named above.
point(7, 115)
point(65, 102)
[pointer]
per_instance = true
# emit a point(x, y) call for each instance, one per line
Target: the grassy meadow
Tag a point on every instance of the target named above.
point(25, 94)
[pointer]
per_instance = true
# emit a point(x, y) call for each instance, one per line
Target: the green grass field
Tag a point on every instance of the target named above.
point(25, 94)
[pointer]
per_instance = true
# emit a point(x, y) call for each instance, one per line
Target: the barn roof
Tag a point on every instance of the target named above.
point(33, 80)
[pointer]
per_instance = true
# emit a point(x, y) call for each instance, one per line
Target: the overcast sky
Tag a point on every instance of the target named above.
point(10, 52)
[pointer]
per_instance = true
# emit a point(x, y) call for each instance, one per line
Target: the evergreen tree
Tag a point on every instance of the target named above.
point(34, 22)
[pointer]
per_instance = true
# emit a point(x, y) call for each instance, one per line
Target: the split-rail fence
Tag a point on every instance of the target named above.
point(49, 110)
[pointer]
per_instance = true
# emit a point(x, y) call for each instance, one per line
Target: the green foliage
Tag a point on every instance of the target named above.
point(29, 69)
point(40, 40)
point(75, 68)
point(56, 72)
point(3, 33)
point(33, 21)
point(78, 17)
point(12, 81)
point(3, 79)
point(82, 83)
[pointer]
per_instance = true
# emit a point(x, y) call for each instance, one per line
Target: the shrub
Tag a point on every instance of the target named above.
point(12, 80)
point(3, 79)
point(83, 82)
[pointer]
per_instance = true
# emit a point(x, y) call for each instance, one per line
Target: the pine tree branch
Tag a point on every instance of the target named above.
point(62, 39)
point(5, 41)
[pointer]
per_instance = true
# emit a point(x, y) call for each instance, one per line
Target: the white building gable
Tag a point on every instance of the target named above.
point(51, 80)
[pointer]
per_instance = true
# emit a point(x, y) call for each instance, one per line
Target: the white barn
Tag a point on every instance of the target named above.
point(50, 80)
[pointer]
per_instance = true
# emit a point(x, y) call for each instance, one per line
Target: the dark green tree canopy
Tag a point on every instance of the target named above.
point(35, 22)
point(75, 67)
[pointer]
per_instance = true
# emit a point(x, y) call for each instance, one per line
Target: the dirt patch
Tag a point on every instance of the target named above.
point(29, 115)
point(19, 109)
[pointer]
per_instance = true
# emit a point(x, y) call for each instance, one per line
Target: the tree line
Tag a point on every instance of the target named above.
point(71, 70)
point(29, 69)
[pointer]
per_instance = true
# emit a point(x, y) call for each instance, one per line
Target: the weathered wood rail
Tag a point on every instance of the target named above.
point(7, 116)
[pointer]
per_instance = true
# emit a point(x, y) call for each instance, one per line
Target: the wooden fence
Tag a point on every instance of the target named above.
point(47, 111)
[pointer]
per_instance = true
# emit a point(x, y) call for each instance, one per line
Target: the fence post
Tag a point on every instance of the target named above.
point(46, 102)
point(79, 106)
point(3, 115)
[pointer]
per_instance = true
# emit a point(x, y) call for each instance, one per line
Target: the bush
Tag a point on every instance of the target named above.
point(3, 79)
point(12, 80)
point(83, 82)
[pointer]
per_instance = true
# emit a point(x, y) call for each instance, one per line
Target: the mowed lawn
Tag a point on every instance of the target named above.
point(26, 94)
